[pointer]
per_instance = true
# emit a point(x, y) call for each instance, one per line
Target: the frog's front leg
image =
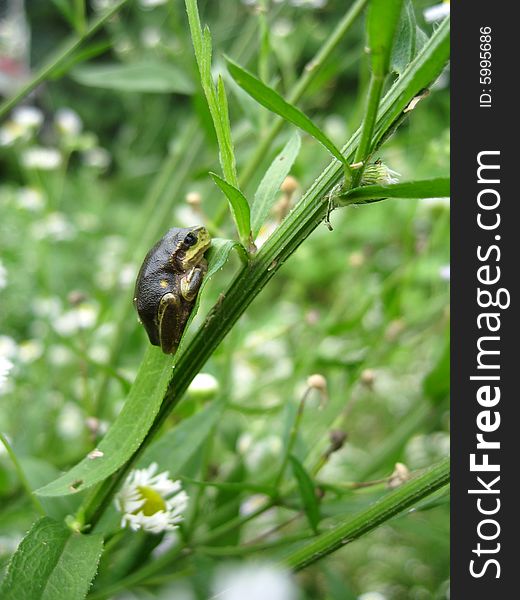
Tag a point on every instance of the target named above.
point(191, 282)
point(169, 322)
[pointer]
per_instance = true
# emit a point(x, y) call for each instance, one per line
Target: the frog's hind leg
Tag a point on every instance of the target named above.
point(169, 321)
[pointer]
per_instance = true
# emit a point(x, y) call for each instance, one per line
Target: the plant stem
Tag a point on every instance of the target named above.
point(375, 90)
point(391, 505)
point(60, 56)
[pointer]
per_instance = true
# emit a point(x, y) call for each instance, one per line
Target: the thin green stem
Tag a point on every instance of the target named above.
point(21, 475)
point(375, 90)
point(58, 58)
point(394, 503)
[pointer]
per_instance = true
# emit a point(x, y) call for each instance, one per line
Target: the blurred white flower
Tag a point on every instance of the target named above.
point(151, 37)
point(38, 157)
point(203, 384)
point(68, 122)
point(70, 422)
point(436, 202)
point(54, 226)
point(29, 117)
point(30, 198)
point(253, 503)
point(254, 581)
point(83, 316)
point(3, 276)
point(372, 596)
point(46, 308)
point(5, 368)
point(30, 350)
point(147, 4)
point(102, 5)
point(282, 28)
point(23, 123)
point(437, 12)
point(8, 347)
point(97, 158)
point(308, 3)
point(151, 502)
point(444, 272)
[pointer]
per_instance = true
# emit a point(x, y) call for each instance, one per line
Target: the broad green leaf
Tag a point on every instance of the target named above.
point(267, 97)
point(142, 76)
point(176, 447)
point(127, 431)
point(427, 188)
point(270, 185)
point(239, 207)
point(52, 563)
point(382, 21)
point(405, 45)
point(307, 492)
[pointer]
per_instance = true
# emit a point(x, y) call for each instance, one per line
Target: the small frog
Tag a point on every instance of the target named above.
point(168, 283)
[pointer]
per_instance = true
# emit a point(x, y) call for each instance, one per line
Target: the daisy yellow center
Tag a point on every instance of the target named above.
point(153, 501)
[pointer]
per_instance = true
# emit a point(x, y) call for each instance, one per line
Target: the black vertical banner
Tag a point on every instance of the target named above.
point(485, 238)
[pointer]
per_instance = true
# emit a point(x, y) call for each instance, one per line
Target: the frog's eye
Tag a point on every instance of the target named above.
point(190, 239)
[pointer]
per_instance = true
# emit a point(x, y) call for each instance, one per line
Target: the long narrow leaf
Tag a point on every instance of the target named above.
point(382, 20)
point(428, 188)
point(270, 185)
point(307, 492)
point(239, 205)
point(267, 97)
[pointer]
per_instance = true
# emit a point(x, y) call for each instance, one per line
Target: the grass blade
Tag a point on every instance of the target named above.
point(307, 492)
point(267, 97)
point(427, 188)
point(270, 185)
point(382, 20)
point(239, 206)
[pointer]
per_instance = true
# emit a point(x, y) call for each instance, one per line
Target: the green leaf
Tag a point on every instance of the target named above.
point(175, 448)
point(52, 563)
point(226, 149)
point(270, 185)
point(239, 207)
point(142, 76)
point(427, 188)
point(307, 492)
point(127, 431)
point(267, 97)
point(382, 20)
point(405, 45)
point(436, 384)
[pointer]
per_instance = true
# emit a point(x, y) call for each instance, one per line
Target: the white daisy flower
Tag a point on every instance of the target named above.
point(151, 502)
point(29, 117)
point(68, 122)
point(45, 159)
